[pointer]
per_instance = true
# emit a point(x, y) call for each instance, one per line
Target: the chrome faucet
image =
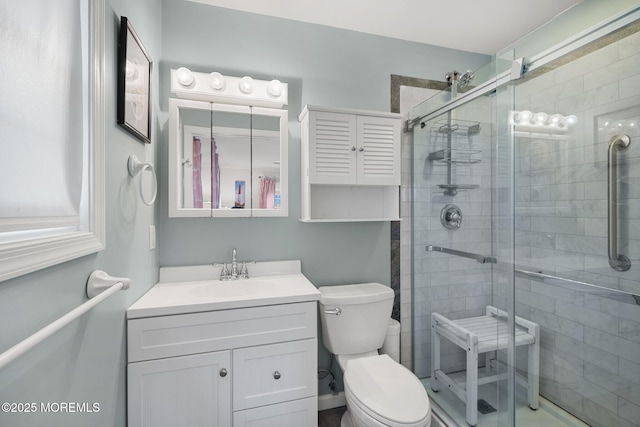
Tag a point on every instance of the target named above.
point(234, 264)
point(234, 272)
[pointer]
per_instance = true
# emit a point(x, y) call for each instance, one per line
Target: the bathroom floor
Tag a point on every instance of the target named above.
point(331, 417)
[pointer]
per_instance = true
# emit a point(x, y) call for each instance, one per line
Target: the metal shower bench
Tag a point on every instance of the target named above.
point(483, 334)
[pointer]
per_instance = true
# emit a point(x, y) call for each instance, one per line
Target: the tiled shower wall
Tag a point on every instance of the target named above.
point(590, 356)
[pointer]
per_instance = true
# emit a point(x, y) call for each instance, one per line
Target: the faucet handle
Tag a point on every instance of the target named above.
point(244, 272)
point(224, 274)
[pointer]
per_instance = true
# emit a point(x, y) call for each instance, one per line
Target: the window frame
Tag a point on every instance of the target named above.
point(25, 256)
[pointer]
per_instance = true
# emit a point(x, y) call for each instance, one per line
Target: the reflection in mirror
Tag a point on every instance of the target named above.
point(217, 164)
point(227, 160)
point(266, 162)
point(231, 142)
point(196, 160)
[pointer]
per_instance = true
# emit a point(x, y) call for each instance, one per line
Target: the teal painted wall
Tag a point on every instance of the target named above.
point(323, 66)
point(86, 361)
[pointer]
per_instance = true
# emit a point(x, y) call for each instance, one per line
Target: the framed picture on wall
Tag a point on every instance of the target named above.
point(134, 83)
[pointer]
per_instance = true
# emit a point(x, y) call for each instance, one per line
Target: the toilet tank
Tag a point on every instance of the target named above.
point(362, 324)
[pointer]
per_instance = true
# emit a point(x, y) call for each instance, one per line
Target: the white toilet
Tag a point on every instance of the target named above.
point(379, 391)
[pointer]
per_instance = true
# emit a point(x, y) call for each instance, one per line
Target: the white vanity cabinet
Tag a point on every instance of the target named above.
point(235, 367)
point(350, 165)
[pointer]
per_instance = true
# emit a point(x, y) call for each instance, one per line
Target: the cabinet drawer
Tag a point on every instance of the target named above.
point(274, 373)
point(298, 413)
point(167, 336)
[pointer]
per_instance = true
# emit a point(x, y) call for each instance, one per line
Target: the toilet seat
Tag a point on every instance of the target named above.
point(387, 392)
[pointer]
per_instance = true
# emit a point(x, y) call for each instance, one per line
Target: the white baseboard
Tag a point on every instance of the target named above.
point(329, 401)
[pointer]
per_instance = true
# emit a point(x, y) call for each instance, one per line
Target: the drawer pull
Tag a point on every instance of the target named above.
point(223, 372)
point(276, 375)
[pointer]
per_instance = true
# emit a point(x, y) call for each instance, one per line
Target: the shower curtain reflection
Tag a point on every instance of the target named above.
point(267, 192)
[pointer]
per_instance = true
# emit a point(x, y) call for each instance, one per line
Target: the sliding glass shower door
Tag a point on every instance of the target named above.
point(526, 198)
point(577, 226)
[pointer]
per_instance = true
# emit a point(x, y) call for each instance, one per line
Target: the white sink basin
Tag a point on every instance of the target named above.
point(194, 289)
point(241, 288)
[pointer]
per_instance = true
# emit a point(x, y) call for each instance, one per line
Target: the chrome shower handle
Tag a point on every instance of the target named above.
point(617, 261)
point(337, 311)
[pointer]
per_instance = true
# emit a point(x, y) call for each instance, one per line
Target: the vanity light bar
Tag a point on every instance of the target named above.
point(215, 87)
point(541, 122)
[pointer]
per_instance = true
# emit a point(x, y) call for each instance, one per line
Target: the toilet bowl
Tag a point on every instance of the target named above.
point(379, 391)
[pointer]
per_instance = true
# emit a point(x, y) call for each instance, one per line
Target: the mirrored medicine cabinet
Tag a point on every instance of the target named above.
point(227, 160)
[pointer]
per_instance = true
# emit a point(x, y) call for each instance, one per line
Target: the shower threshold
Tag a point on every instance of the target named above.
point(548, 415)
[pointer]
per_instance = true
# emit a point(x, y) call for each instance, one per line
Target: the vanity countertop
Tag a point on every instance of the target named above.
point(195, 289)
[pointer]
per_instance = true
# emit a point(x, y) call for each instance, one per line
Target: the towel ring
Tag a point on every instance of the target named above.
point(135, 166)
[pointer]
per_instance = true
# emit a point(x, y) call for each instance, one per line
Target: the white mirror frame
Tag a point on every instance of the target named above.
point(25, 256)
point(175, 161)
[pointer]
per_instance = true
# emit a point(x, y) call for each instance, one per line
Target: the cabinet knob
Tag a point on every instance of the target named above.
point(361, 149)
point(223, 372)
point(276, 375)
point(353, 148)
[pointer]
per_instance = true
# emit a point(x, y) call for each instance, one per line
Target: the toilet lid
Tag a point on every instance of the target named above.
point(386, 390)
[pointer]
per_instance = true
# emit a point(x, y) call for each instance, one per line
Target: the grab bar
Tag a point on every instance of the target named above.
point(577, 285)
point(100, 286)
point(601, 291)
point(617, 261)
point(480, 258)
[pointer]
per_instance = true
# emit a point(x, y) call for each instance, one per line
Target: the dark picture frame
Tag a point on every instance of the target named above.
point(134, 83)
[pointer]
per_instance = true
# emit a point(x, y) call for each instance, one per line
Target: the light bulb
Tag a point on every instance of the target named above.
point(571, 120)
point(275, 88)
point(523, 117)
point(555, 120)
point(217, 81)
point(246, 85)
point(540, 118)
point(184, 76)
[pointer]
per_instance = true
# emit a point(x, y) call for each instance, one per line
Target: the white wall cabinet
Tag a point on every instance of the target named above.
point(350, 165)
point(250, 366)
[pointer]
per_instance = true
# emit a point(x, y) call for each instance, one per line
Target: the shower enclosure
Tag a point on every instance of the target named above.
point(526, 197)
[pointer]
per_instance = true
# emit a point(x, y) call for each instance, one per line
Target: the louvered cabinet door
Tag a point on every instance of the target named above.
point(378, 150)
point(332, 148)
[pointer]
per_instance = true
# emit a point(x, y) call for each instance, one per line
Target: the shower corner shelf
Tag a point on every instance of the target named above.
point(455, 157)
point(459, 156)
point(457, 127)
point(453, 188)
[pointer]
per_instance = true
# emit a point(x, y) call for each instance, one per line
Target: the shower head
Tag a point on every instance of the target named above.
point(465, 78)
point(461, 79)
